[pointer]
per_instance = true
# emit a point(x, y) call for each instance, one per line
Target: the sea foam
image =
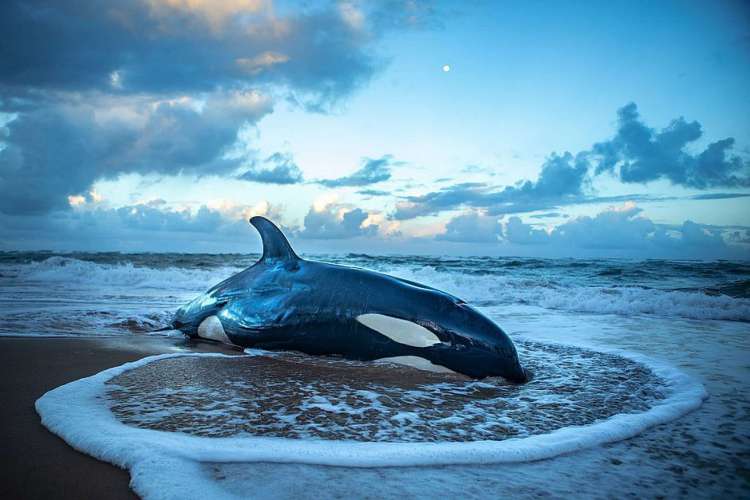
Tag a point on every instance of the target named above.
point(169, 465)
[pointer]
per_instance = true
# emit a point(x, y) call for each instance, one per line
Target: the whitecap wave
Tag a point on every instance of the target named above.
point(75, 272)
point(550, 294)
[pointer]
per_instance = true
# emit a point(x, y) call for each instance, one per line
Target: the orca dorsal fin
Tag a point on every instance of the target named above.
point(275, 244)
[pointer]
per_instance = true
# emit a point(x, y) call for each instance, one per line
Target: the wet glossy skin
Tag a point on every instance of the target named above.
point(286, 303)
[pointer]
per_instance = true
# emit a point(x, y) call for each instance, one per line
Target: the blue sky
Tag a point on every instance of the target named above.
point(561, 129)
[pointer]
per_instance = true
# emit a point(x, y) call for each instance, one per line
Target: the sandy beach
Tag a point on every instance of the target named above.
point(37, 464)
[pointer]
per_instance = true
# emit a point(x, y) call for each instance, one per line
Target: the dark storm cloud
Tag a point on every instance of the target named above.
point(561, 181)
point(165, 47)
point(371, 172)
point(640, 154)
point(56, 151)
point(333, 223)
point(103, 89)
point(279, 168)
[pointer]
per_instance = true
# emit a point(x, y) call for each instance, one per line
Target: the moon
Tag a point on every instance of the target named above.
point(446, 68)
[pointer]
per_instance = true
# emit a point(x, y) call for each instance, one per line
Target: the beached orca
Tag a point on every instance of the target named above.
point(283, 302)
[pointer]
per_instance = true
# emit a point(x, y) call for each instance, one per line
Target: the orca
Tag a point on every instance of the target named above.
point(284, 302)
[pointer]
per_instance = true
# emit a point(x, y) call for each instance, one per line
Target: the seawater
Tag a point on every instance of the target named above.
point(692, 315)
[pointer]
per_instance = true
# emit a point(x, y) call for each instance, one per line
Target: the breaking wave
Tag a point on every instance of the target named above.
point(546, 292)
point(75, 272)
point(94, 294)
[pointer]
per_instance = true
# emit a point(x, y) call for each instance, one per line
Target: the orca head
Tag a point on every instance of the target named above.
point(495, 352)
point(470, 342)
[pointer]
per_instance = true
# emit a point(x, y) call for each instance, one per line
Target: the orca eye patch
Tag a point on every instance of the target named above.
point(399, 330)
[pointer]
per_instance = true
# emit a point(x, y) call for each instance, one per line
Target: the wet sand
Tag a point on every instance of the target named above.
point(37, 464)
point(293, 396)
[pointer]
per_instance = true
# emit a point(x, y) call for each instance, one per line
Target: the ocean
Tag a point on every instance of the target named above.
point(95, 294)
point(692, 317)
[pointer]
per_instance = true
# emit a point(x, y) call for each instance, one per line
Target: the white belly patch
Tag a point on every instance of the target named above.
point(212, 329)
point(400, 330)
point(418, 363)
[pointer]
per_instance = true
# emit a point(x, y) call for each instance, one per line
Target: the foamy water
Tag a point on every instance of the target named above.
point(302, 397)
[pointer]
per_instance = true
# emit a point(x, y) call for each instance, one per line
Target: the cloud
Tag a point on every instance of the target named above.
point(244, 212)
point(222, 226)
point(636, 154)
point(524, 234)
point(373, 192)
point(477, 169)
point(282, 170)
point(640, 154)
point(174, 46)
point(152, 225)
point(741, 236)
point(472, 227)
point(719, 196)
point(691, 235)
point(549, 215)
point(371, 172)
point(215, 14)
point(138, 227)
point(149, 218)
point(59, 150)
point(335, 221)
point(622, 228)
point(561, 181)
point(616, 228)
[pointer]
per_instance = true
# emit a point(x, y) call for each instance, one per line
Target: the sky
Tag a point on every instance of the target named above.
point(550, 129)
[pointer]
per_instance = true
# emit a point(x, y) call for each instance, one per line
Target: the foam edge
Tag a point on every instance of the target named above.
point(77, 413)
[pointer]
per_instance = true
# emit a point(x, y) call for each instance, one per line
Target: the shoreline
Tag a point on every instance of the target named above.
point(37, 464)
point(692, 455)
